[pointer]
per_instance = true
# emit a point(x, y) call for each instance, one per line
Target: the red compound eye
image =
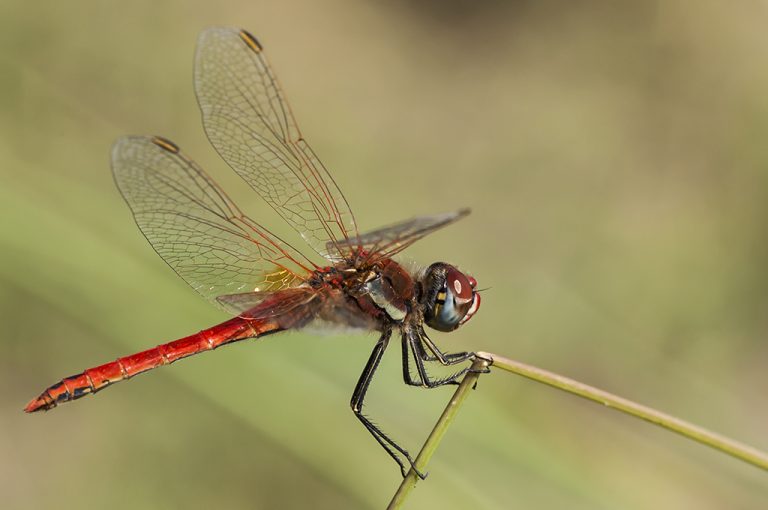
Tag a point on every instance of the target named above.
point(459, 285)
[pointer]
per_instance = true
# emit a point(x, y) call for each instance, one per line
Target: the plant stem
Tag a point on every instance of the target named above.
point(485, 359)
point(409, 482)
point(698, 434)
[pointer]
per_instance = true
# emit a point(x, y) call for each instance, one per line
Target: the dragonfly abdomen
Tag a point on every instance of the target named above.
point(98, 378)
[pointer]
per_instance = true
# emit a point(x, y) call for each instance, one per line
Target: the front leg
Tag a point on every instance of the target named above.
point(412, 339)
point(421, 355)
point(438, 355)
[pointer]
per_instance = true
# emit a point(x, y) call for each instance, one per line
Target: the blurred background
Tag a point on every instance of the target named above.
point(615, 158)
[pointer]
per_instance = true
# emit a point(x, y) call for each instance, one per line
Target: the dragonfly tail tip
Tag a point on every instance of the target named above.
point(36, 404)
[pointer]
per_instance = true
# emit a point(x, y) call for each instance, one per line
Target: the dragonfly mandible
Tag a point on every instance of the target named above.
point(262, 281)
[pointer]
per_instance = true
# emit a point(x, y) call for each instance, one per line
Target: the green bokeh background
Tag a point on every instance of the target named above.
point(615, 157)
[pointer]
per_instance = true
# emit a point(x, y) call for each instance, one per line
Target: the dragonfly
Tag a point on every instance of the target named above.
point(261, 281)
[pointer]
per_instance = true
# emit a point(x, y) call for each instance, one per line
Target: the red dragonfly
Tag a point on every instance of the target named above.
point(260, 279)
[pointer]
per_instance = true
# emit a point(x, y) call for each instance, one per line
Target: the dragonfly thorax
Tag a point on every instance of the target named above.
point(391, 288)
point(382, 295)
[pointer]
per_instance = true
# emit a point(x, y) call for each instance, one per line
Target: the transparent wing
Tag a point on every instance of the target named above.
point(249, 122)
point(388, 241)
point(195, 227)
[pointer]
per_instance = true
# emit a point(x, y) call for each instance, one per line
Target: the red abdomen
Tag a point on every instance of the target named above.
point(97, 378)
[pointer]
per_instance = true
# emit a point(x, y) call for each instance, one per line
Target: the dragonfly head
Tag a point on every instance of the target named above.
point(449, 297)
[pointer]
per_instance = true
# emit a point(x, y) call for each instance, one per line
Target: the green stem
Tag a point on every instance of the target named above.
point(484, 359)
point(698, 434)
point(409, 482)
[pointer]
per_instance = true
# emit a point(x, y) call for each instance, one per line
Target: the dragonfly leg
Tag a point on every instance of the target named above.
point(438, 355)
point(407, 377)
point(419, 354)
point(358, 397)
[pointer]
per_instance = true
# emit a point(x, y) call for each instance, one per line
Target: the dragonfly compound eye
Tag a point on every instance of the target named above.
point(450, 297)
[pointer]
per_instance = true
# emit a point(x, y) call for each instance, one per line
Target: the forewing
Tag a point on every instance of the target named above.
point(249, 122)
point(388, 241)
point(195, 227)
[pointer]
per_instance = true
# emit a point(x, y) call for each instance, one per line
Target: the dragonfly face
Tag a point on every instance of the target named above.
point(265, 283)
point(450, 298)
